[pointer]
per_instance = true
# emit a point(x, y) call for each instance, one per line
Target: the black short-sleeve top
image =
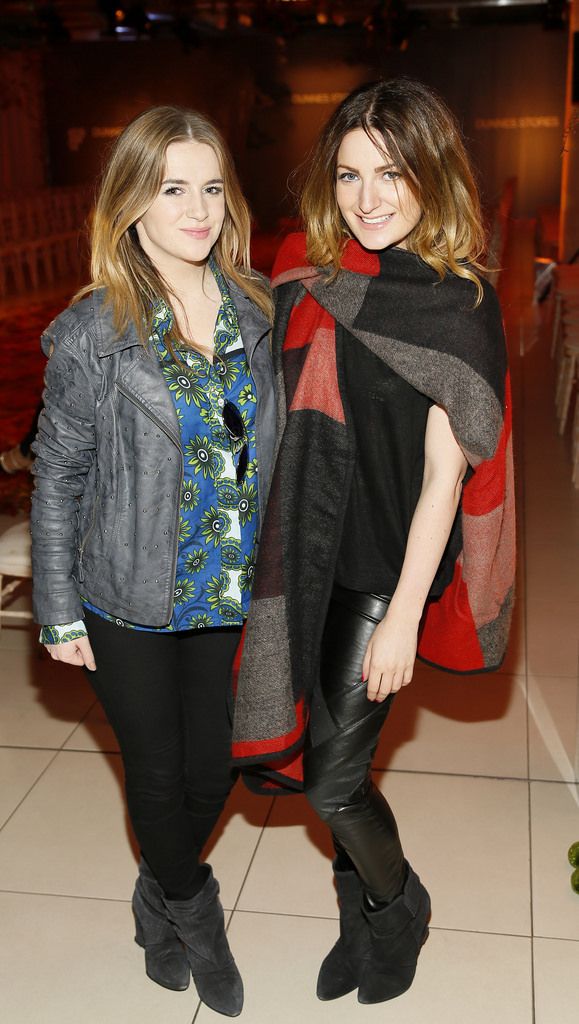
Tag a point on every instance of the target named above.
point(388, 418)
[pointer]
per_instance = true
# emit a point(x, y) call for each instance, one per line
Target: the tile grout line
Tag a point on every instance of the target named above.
point(376, 768)
point(299, 917)
point(29, 790)
point(236, 902)
point(461, 775)
point(61, 750)
point(253, 856)
point(80, 722)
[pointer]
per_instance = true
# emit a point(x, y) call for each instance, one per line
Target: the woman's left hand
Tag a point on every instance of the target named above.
point(390, 656)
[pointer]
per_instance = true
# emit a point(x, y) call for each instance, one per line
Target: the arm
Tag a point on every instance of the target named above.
point(65, 450)
point(391, 652)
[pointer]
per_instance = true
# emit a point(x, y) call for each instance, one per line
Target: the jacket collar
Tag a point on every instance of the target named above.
point(107, 337)
point(253, 324)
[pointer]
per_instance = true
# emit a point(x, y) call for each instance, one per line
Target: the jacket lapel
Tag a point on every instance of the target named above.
point(253, 324)
point(142, 382)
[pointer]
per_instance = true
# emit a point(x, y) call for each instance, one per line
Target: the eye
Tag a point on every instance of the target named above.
point(347, 176)
point(213, 190)
point(172, 190)
point(392, 175)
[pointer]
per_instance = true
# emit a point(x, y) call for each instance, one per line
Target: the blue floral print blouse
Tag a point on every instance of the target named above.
point(218, 516)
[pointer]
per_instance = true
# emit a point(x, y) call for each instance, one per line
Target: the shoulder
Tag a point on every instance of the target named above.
point(263, 279)
point(486, 313)
point(460, 297)
point(473, 331)
point(238, 289)
point(80, 318)
point(465, 291)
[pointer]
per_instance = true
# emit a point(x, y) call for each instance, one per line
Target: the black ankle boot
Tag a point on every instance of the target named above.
point(165, 959)
point(339, 973)
point(397, 933)
point(199, 923)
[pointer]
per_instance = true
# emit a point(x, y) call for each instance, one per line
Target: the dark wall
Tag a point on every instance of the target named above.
point(94, 89)
point(271, 100)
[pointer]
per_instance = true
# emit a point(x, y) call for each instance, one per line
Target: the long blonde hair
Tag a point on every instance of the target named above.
point(130, 182)
point(421, 135)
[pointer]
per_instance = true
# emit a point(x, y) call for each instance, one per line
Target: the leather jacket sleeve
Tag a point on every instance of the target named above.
point(65, 452)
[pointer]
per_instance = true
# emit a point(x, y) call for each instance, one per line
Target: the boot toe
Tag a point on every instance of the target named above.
point(336, 977)
point(221, 991)
point(379, 988)
point(168, 968)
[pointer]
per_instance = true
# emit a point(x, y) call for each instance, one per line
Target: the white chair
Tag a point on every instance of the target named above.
point(15, 563)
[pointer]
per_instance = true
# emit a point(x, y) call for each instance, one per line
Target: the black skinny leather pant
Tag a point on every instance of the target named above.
point(343, 735)
point(166, 696)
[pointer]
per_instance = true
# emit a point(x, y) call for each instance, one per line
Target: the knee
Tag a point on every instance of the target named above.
point(209, 789)
point(154, 786)
point(327, 797)
point(318, 798)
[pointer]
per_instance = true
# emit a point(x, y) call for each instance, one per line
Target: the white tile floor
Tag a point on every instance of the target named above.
point(482, 773)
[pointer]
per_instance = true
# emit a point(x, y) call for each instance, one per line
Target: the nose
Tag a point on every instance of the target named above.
point(196, 207)
point(368, 199)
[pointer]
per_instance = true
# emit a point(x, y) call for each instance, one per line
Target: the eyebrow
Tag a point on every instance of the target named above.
point(181, 181)
point(384, 167)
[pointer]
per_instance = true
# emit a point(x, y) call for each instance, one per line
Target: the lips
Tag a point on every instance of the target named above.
point(375, 224)
point(199, 233)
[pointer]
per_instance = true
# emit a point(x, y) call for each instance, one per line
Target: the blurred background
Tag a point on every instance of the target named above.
point(484, 773)
point(271, 71)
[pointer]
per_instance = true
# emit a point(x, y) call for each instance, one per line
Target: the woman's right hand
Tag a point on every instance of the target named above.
point(73, 652)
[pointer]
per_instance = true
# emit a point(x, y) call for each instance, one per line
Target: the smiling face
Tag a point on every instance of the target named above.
point(373, 194)
point(183, 223)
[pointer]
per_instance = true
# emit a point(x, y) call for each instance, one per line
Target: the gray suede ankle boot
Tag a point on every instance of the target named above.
point(165, 959)
point(199, 923)
point(398, 931)
point(340, 970)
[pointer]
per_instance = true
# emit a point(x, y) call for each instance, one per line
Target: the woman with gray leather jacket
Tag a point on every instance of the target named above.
point(153, 459)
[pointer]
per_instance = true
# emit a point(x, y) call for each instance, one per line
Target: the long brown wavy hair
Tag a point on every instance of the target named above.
point(131, 181)
point(421, 135)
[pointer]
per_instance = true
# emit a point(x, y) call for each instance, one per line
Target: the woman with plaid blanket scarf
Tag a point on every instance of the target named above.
point(390, 526)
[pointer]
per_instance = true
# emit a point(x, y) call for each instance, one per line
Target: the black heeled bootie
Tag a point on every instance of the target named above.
point(397, 933)
point(165, 959)
point(200, 925)
point(340, 970)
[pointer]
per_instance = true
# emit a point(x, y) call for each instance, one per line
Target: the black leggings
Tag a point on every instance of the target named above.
point(343, 735)
point(167, 696)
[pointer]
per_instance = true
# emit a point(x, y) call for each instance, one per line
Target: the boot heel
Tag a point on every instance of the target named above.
point(397, 934)
point(200, 924)
point(139, 934)
point(165, 960)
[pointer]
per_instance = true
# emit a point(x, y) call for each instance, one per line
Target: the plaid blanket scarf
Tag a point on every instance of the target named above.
point(429, 332)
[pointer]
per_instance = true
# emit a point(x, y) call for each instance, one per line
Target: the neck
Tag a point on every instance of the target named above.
point(185, 279)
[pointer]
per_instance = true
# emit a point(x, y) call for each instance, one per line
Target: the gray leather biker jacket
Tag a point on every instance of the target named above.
point(109, 466)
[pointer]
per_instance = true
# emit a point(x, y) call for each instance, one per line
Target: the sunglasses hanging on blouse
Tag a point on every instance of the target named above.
point(235, 427)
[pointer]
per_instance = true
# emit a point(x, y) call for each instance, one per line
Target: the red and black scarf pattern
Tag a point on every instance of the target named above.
point(429, 332)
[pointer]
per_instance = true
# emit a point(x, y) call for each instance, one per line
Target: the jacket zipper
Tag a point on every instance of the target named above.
point(161, 425)
point(86, 537)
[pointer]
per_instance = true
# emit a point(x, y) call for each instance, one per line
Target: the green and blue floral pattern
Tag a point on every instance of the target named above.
point(218, 517)
point(62, 634)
